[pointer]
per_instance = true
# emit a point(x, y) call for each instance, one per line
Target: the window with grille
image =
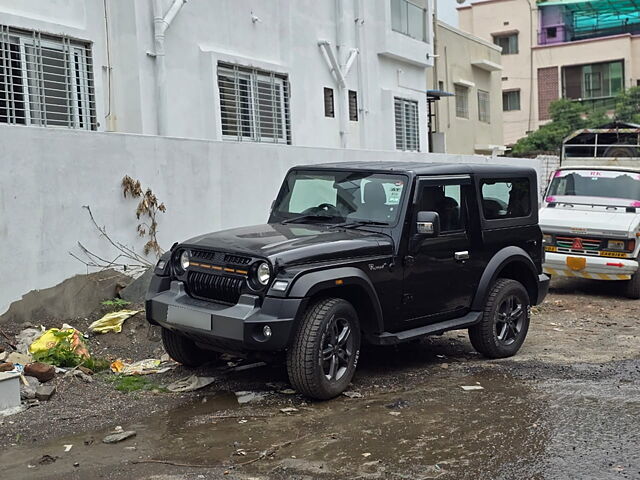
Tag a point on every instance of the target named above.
point(329, 110)
point(462, 101)
point(254, 105)
point(511, 100)
point(407, 124)
point(484, 106)
point(45, 81)
point(353, 106)
point(509, 43)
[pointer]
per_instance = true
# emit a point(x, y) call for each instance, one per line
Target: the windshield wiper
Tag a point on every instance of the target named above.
point(359, 223)
point(307, 217)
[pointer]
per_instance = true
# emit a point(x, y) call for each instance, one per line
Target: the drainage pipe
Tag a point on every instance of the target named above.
point(161, 23)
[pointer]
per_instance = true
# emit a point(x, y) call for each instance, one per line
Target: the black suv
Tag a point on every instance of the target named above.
point(381, 252)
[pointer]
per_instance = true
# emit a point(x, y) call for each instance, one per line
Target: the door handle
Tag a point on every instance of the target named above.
point(461, 256)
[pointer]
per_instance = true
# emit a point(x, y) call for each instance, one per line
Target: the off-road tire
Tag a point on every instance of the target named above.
point(632, 287)
point(183, 350)
point(483, 335)
point(304, 357)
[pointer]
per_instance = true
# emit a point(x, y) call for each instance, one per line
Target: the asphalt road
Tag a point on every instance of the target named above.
point(566, 407)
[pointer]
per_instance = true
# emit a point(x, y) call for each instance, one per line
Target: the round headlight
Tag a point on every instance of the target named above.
point(263, 273)
point(184, 260)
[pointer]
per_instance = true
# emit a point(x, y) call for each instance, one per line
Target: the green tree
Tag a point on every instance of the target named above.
point(568, 116)
point(628, 106)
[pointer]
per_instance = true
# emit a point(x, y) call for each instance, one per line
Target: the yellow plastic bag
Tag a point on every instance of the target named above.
point(112, 322)
point(52, 337)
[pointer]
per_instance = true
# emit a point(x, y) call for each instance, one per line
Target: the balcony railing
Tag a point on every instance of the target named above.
point(409, 19)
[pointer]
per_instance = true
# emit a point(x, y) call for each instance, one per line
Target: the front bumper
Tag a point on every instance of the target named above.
point(222, 327)
point(583, 266)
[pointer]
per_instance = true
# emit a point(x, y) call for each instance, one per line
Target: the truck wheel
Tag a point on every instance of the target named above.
point(505, 321)
point(324, 354)
point(632, 288)
point(183, 350)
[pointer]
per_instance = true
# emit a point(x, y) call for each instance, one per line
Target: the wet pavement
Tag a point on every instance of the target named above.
point(538, 416)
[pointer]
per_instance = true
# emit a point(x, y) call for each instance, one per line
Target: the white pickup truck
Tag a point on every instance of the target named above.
point(591, 225)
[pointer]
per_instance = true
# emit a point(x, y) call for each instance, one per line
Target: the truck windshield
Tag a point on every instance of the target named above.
point(606, 184)
point(342, 196)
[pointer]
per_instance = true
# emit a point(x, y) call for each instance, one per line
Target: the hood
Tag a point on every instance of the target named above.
point(582, 219)
point(295, 243)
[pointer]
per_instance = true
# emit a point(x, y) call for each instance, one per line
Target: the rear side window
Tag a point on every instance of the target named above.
point(506, 198)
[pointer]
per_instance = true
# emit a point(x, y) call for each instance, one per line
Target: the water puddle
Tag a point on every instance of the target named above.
point(434, 428)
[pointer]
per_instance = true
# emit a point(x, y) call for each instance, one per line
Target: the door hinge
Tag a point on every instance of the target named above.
point(407, 298)
point(409, 260)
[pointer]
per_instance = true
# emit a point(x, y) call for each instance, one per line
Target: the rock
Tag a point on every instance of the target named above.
point(352, 394)
point(41, 371)
point(79, 374)
point(45, 392)
point(289, 410)
point(119, 436)
point(20, 358)
point(28, 391)
point(85, 370)
point(247, 397)
point(136, 290)
point(3, 356)
point(6, 367)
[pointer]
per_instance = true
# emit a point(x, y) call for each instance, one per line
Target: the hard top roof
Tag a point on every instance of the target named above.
point(615, 168)
point(422, 168)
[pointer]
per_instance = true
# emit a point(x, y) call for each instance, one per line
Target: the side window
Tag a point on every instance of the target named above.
point(506, 198)
point(448, 202)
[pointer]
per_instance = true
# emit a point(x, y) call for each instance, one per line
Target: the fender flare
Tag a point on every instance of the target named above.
point(309, 284)
point(498, 262)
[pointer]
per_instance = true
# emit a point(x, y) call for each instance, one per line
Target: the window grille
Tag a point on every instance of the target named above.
point(45, 81)
point(511, 100)
point(353, 106)
point(329, 110)
point(484, 106)
point(407, 124)
point(462, 101)
point(254, 105)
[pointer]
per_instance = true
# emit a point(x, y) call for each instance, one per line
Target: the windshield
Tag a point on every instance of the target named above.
point(606, 184)
point(324, 196)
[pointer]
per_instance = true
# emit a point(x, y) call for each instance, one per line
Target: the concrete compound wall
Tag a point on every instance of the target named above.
point(47, 175)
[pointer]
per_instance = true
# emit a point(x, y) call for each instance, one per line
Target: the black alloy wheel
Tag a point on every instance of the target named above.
point(323, 356)
point(504, 324)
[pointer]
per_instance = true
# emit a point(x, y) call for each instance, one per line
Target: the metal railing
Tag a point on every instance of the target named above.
point(409, 19)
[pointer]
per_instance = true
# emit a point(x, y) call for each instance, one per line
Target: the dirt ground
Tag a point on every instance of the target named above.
point(567, 406)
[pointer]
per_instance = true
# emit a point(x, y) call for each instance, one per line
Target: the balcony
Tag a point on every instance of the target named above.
point(409, 19)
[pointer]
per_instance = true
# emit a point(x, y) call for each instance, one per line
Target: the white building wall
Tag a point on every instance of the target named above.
point(276, 35)
point(49, 175)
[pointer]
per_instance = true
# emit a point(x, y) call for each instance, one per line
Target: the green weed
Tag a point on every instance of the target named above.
point(129, 384)
point(115, 303)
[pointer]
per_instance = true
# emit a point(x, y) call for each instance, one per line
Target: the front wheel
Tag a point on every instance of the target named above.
point(632, 288)
point(183, 350)
point(324, 353)
point(505, 320)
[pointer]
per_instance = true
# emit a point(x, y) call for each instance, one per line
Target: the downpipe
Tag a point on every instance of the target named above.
point(161, 23)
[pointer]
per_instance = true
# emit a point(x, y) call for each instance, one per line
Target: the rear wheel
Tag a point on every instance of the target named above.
point(505, 320)
point(324, 354)
point(632, 288)
point(183, 350)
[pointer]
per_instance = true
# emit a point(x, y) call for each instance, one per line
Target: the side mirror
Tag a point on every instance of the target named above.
point(428, 224)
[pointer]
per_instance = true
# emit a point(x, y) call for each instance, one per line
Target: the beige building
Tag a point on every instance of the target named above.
point(587, 51)
point(465, 94)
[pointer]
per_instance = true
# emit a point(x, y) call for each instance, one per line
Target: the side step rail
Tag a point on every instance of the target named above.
point(388, 338)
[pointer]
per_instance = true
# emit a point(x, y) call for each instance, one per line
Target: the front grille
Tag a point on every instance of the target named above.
point(237, 260)
point(587, 243)
point(213, 286)
point(207, 255)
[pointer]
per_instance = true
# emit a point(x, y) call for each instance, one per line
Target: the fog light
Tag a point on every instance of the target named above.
point(266, 331)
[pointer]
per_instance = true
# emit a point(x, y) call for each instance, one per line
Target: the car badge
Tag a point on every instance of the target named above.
point(577, 244)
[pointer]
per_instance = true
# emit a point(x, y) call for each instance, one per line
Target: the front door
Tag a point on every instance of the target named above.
point(439, 274)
